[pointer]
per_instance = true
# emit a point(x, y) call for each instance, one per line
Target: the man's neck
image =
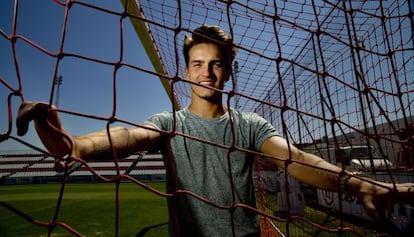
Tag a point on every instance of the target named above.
point(207, 109)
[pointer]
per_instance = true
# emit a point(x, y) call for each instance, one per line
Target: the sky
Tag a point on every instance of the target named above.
point(87, 86)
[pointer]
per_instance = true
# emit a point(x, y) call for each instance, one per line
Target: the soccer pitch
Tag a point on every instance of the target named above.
point(89, 208)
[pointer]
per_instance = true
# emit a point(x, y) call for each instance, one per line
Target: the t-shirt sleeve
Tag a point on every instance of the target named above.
point(161, 121)
point(262, 130)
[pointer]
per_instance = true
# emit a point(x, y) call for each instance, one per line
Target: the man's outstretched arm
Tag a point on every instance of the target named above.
point(376, 197)
point(90, 146)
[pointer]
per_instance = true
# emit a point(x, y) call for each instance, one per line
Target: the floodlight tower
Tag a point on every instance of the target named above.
point(235, 74)
point(58, 83)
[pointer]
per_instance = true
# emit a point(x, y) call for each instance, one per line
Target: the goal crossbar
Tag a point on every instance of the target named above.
point(142, 30)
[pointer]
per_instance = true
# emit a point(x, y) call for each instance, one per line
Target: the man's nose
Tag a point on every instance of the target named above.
point(207, 70)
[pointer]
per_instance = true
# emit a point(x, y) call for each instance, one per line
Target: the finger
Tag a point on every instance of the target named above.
point(404, 193)
point(27, 112)
point(371, 210)
point(65, 164)
point(23, 118)
point(382, 217)
point(59, 166)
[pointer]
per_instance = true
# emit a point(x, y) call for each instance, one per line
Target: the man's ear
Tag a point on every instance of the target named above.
point(228, 75)
point(229, 72)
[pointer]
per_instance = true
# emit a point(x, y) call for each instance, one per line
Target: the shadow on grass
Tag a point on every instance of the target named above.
point(146, 229)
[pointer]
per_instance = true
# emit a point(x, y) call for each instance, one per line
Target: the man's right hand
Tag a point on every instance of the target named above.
point(29, 111)
point(49, 129)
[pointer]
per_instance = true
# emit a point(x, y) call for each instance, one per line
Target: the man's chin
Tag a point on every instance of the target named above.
point(212, 98)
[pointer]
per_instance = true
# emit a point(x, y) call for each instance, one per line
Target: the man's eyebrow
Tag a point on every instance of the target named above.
point(210, 62)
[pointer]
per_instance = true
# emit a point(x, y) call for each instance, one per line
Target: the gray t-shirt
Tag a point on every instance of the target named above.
point(199, 168)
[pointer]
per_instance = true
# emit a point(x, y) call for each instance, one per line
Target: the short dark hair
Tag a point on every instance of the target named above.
point(214, 35)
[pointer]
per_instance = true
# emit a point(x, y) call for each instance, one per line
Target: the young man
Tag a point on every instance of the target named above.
point(201, 172)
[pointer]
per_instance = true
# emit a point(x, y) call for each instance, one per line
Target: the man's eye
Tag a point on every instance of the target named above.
point(218, 64)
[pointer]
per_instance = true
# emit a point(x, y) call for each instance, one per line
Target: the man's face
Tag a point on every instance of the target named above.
point(206, 67)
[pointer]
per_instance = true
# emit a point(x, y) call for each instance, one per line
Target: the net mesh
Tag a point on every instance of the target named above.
point(327, 74)
point(315, 61)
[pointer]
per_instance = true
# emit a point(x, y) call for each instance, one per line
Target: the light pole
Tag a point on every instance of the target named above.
point(58, 82)
point(235, 74)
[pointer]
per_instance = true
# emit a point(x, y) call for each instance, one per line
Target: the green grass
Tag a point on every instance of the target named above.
point(89, 208)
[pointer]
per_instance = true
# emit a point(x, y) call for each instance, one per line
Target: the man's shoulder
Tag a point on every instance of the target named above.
point(162, 114)
point(245, 115)
point(168, 115)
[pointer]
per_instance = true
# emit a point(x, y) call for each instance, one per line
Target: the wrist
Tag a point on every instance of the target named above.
point(349, 185)
point(344, 178)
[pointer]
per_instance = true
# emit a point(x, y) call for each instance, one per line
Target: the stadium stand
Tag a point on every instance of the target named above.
point(38, 168)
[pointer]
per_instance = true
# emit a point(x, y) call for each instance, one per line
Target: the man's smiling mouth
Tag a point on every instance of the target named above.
point(207, 83)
